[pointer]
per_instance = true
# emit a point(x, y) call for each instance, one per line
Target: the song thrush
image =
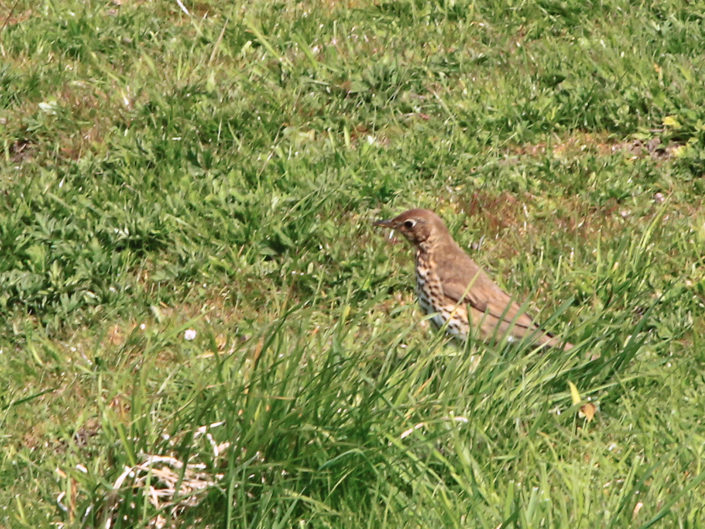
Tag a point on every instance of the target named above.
point(456, 291)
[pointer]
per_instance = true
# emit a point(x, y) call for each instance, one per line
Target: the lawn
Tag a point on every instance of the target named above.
point(200, 327)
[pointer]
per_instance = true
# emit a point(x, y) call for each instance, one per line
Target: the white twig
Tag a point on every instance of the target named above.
point(183, 7)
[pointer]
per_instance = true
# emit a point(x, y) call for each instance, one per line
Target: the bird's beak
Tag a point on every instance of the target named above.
point(390, 224)
point(384, 224)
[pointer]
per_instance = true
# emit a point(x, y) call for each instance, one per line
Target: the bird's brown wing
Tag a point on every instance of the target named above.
point(465, 282)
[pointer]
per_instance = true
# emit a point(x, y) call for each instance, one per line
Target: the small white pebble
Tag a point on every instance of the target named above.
point(659, 198)
point(189, 334)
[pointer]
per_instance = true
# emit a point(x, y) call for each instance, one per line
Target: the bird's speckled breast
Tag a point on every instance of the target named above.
point(432, 300)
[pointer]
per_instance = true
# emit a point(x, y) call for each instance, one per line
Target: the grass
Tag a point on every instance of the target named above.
point(163, 173)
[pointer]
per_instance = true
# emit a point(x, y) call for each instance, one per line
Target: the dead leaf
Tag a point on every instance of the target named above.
point(588, 410)
point(574, 393)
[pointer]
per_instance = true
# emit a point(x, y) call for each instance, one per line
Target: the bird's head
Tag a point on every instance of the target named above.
point(417, 225)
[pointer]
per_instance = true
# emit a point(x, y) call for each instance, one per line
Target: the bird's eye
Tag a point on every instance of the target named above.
point(409, 223)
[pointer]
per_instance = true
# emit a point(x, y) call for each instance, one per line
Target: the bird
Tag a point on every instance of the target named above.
point(456, 292)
